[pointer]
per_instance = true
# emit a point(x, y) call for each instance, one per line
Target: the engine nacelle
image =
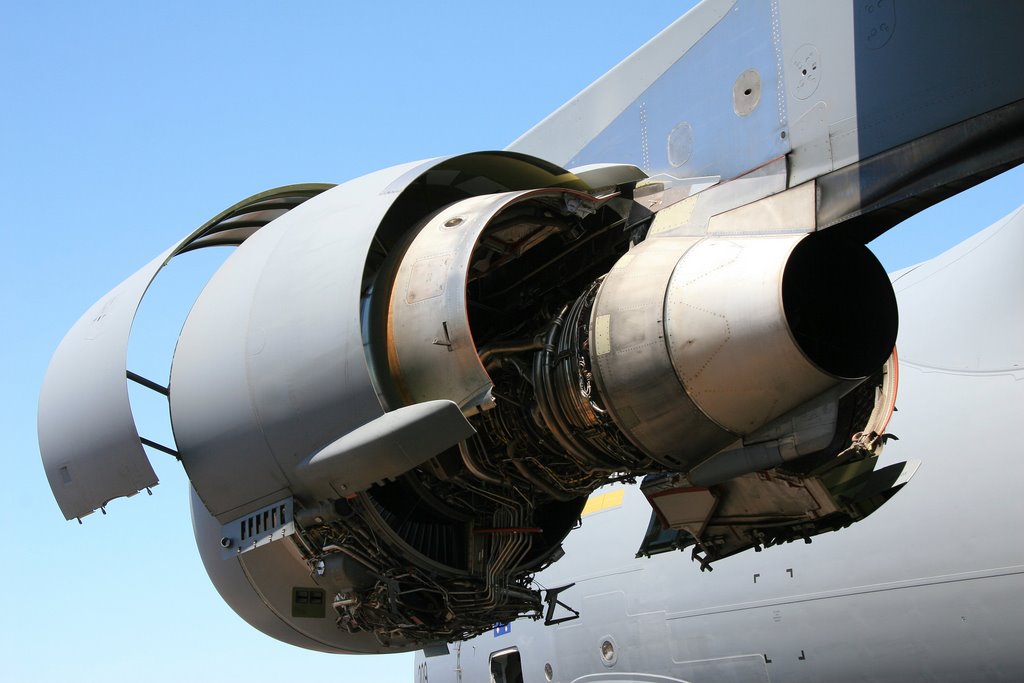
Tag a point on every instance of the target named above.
point(395, 397)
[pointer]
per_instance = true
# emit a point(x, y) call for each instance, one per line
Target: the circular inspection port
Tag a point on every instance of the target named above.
point(839, 305)
point(608, 654)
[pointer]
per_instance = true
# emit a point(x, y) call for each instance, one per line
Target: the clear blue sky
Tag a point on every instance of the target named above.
point(123, 127)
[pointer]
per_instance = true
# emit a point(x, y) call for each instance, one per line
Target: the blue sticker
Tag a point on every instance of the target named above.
point(502, 629)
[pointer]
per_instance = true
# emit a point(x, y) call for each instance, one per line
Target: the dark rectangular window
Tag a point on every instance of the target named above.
point(309, 603)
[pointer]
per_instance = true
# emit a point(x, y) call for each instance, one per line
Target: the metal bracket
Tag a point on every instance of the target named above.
point(551, 598)
point(697, 555)
point(447, 343)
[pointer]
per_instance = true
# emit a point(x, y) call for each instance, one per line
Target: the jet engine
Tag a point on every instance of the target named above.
point(395, 397)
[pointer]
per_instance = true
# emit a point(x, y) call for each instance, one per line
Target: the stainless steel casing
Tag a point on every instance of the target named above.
point(632, 367)
point(693, 342)
point(727, 333)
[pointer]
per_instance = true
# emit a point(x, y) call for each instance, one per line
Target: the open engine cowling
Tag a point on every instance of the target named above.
point(395, 397)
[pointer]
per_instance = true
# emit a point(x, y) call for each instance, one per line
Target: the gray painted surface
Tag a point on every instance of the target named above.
point(688, 122)
point(922, 590)
point(385, 448)
point(580, 120)
point(840, 83)
point(88, 441)
point(87, 437)
point(285, 376)
point(270, 368)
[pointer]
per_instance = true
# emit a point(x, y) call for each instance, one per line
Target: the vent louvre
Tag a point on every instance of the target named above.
point(259, 527)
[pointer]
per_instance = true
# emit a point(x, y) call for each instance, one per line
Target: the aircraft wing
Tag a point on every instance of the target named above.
point(884, 107)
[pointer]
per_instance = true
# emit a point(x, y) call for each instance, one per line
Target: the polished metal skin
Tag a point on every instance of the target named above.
point(694, 343)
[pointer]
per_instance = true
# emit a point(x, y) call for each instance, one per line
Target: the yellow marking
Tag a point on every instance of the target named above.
point(604, 501)
point(602, 334)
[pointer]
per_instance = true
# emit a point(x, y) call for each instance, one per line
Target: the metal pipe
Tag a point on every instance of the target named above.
point(508, 347)
point(539, 483)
